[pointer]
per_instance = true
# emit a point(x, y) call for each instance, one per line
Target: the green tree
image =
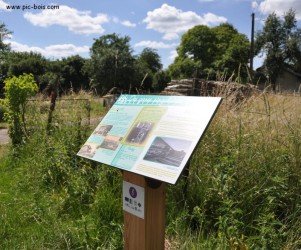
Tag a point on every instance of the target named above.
point(184, 67)
point(146, 65)
point(49, 82)
point(151, 59)
point(4, 32)
point(17, 91)
point(161, 78)
point(4, 49)
point(232, 49)
point(111, 64)
point(199, 44)
point(71, 73)
point(203, 49)
point(280, 41)
point(142, 77)
point(18, 63)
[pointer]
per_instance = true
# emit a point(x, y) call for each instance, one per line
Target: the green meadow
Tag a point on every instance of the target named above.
point(243, 190)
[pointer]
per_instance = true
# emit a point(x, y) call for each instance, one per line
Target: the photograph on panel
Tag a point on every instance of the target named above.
point(88, 150)
point(110, 142)
point(167, 150)
point(139, 132)
point(102, 130)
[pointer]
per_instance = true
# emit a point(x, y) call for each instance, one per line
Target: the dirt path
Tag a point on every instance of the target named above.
point(4, 138)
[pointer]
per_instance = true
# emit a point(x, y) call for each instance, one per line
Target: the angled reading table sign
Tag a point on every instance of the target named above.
point(154, 137)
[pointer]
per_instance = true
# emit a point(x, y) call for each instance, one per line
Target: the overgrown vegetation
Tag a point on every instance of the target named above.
point(244, 187)
point(243, 191)
point(17, 92)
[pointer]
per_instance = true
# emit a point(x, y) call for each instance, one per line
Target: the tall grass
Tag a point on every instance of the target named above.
point(245, 180)
point(243, 190)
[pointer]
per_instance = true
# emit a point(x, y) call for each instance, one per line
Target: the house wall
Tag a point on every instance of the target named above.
point(288, 82)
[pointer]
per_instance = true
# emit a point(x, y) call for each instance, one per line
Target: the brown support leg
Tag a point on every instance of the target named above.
point(147, 233)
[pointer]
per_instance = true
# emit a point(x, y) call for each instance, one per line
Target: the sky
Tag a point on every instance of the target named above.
point(63, 28)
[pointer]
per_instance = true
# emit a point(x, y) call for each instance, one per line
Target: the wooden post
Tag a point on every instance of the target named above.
point(147, 233)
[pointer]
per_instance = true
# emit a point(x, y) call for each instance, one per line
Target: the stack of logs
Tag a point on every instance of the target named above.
point(188, 87)
point(201, 87)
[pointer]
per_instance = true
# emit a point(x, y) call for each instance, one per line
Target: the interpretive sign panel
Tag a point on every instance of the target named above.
point(150, 135)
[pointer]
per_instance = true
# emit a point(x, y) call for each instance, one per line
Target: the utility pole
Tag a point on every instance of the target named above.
point(116, 65)
point(252, 45)
point(1, 36)
point(1, 45)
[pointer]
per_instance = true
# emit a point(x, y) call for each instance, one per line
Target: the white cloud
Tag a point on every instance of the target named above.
point(155, 45)
point(126, 23)
point(3, 6)
point(129, 24)
point(170, 36)
point(79, 22)
point(206, 1)
point(280, 7)
point(212, 19)
point(254, 5)
point(172, 55)
point(172, 21)
point(52, 51)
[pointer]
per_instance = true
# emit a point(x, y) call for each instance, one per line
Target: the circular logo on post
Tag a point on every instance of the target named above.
point(133, 192)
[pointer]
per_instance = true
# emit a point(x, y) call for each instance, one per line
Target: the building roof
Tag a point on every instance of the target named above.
point(262, 69)
point(293, 72)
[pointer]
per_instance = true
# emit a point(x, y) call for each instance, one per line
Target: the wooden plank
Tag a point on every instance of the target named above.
point(155, 217)
point(147, 233)
point(134, 232)
point(134, 227)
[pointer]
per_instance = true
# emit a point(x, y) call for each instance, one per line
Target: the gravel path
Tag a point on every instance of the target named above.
point(4, 138)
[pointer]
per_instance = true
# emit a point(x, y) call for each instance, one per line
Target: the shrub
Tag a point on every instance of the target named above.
point(17, 90)
point(1, 113)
